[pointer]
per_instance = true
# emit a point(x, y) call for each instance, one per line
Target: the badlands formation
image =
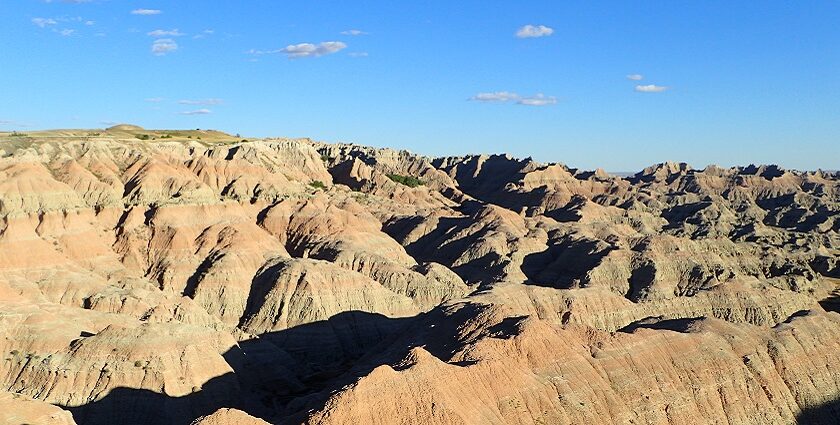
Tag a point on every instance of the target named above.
point(180, 277)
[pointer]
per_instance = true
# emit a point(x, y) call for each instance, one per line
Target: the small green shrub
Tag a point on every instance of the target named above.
point(325, 158)
point(244, 141)
point(409, 181)
point(317, 184)
point(16, 134)
point(143, 136)
point(138, 363)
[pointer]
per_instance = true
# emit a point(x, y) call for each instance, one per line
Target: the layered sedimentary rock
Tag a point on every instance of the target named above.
point(158, 277)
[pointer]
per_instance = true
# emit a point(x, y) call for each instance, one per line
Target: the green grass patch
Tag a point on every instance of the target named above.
point(409, 181)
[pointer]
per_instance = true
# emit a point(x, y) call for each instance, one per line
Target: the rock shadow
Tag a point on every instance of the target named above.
point(130, 406)
point(824, 414)
point(564, 265)
point(278, 376)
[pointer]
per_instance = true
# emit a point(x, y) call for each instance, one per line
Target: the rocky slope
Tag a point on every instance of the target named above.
point(177, 277)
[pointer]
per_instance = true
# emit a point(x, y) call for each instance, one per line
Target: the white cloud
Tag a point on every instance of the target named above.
point(43, 22)
point(650, 88)
point(165, 33)
point(538, 99)
point(201, 102)
point(164, 46)
point(89, 23)
point(146, 12)
point(358, 54)
point(635, 77)
point(66, 32)
point(309, 50)
point(499, 96)
point(154, 99)
point(108, 123)
point(353, 32)
point(197, 112)
point(532, 31)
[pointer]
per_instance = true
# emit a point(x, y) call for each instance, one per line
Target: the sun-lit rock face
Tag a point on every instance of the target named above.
point(162, 277)
point(18, 409)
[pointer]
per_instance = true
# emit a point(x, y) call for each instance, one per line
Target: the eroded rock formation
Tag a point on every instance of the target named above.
point(197, 278)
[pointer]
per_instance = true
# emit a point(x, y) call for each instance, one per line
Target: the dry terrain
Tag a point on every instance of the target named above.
point(180, 277)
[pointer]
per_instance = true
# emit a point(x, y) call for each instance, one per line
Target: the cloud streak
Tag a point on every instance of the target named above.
point(165, 33)
point(650, 88)
point(196, 112)
point(309, 50)
point(146, 12)
point(164, 46)
point(43, 22)
point(534, 31)
point(201, 102)
point(636, 77)
point(353, 32)
point(499, 96)
point(538, 99)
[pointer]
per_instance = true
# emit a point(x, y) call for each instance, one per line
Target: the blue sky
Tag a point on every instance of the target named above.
point(721, 82)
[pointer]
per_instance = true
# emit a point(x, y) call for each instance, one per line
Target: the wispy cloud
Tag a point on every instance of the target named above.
point(636, 77)
point(154, 99)
point(358, 54)
point(538, 99)
point(43, 22)
point(165, 33)
point(534, 31)
point(309, 50)
point(66, 32)
point(204, 33)
point(196, 112)
point(499, 96)
point(651, 88)
point(108, 123)
point(146, 12)
point(353, 32)
point(201, 102)
point(164, 46)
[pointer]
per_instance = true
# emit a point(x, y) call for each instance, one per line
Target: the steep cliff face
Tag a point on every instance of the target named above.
point(219, 281)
